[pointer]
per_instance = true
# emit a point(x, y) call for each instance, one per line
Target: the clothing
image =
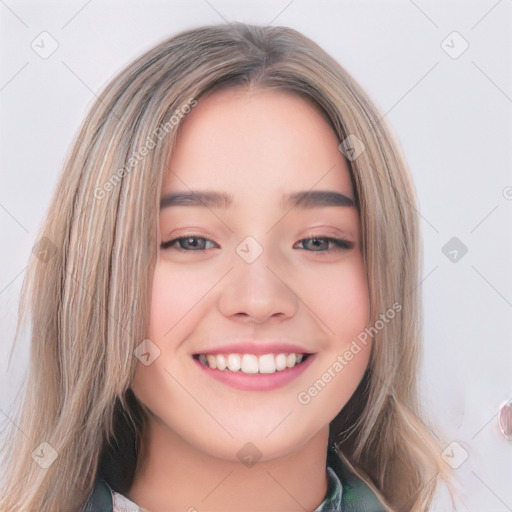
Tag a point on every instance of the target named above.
point(345, 493)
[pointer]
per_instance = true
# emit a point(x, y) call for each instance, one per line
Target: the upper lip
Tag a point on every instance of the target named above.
point(256, 347)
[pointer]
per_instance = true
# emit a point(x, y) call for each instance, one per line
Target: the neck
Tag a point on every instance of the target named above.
point(176, 476)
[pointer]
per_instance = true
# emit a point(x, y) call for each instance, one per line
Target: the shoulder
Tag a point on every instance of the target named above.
point(356, 495)
point(100, 499)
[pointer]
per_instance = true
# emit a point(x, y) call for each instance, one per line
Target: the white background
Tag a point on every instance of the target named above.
point(453, 117)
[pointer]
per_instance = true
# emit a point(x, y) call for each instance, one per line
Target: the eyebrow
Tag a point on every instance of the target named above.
point(304, 199)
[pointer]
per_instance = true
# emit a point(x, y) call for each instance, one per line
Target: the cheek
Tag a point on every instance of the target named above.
point(175, 293)
point(175, 310)
point(333, 382)
point(338, 296)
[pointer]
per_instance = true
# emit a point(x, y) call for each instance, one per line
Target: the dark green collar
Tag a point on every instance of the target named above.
point(356, 496)
point(101, 498)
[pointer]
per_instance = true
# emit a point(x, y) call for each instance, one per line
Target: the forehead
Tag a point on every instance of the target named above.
point(256, 143)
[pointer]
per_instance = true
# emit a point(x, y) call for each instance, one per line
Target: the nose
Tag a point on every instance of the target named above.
point(257, 291)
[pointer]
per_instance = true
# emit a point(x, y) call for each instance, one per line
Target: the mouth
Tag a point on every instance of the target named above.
point(254, 372)
point(251, 364)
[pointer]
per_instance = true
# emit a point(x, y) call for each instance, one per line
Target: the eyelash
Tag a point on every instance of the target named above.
point(339, 243)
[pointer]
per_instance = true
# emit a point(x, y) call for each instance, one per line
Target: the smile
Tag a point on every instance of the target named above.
point(251, 372)
point(251, 363)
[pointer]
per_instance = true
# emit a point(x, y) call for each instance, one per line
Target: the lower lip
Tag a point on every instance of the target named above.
point(256, 381)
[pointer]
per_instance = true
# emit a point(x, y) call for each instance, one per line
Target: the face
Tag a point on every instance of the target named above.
point(264, 274)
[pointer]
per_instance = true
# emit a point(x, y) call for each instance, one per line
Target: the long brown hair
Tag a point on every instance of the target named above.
point(87, 291)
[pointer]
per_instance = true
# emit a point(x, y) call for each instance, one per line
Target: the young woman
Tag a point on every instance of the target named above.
point(223, 300)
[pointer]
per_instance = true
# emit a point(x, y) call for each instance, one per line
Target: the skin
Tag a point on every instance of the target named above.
point(256, 145)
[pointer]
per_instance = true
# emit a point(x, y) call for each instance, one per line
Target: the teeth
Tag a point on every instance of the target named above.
point(267, 363)
point(221, 362)
point(281, 362)
point(234, 362)
point(250, 363)
point(291, 359)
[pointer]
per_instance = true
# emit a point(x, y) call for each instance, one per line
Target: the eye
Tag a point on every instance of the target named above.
point(192, 243)
point(324, 244)
point(188, 243)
